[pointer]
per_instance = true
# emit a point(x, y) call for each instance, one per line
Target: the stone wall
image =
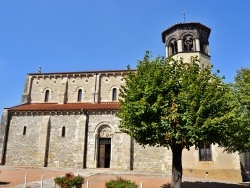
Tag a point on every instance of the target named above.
point(152, 158)
point(64, 88)
point(108, 82)
point(87, 84)
point(121, 152)
point(23, 149)
point(222, 165)
point(43, 143)
point(67, 151)
point(204, 59)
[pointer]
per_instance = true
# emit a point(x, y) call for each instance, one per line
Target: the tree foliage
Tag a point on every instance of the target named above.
point(237, 137)
point(169, 102)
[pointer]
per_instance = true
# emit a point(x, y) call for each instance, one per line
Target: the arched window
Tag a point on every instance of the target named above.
point(24, 130)
point(79, 96)
point(46, 98)
point(188, 43)
point(173, 47)
point(63, 131)
point(114, 94)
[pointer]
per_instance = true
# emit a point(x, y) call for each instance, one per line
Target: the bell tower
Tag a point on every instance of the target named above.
point(184, 40)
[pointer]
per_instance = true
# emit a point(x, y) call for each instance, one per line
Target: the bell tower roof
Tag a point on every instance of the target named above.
point(182, 27)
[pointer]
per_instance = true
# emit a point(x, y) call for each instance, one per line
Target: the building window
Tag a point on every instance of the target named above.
point(173, 47)
point(46, 98)
point(79, 96)
point(63, 131)
point(188, 43)
point(205, 152)
point(202, 66)
point(24, 130)
point(114, 94)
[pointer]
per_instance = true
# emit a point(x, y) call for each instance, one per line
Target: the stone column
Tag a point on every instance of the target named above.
point(26, 92)
point(167, 52)
point(63, 91)
point(197, 45)
point(97, 90)
point(44, 139)
point(80, 141)
point(180, 46)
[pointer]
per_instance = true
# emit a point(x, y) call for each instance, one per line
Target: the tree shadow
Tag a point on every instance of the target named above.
point(206, 185)
point(165, 186)
point(4, 183)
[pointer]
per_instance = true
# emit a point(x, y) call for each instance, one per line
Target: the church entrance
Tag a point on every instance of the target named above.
point(104, 152)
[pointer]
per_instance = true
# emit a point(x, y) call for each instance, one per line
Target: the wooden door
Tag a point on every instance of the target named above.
point(104, 152)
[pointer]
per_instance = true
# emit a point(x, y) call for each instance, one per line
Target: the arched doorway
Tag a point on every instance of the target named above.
point(104, 147)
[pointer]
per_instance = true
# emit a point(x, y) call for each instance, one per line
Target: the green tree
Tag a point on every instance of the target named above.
point(237, 137)
point(176, 105)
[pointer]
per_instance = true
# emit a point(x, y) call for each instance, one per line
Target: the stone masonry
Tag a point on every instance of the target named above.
point(35, 137)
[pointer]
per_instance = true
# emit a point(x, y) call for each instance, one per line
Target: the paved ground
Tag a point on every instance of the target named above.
point(15, 177)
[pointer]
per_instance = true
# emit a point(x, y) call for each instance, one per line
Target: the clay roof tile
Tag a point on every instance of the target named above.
point(66, 107)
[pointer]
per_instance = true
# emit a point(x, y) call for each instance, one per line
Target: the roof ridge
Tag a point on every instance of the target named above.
point(81, 72)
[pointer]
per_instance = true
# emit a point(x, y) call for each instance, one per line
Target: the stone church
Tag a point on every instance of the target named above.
point(68, 119)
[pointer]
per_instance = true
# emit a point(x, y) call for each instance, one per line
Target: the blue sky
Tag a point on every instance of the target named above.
point(81, 35)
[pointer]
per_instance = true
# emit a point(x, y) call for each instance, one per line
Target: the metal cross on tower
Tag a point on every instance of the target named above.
point(184, 16)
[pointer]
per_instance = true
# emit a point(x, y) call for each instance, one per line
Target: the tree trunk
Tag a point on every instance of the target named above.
point(176, 166)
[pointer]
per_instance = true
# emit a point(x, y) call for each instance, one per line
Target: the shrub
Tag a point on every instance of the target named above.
point(120, 183)
point(69, 180)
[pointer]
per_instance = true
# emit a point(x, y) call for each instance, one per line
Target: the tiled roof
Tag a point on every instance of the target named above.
point(66, 107)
